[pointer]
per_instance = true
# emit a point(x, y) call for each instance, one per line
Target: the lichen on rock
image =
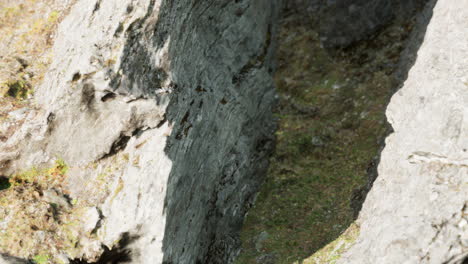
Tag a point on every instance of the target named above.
point(38, 218)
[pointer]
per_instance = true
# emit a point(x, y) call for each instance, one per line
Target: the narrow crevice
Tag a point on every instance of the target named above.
point(117, 146)
point(108, 97)
point(99, 223)
point(332, 122)
point(119, 254)
point(256, 62)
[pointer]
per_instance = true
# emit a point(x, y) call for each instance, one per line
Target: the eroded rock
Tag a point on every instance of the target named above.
point(161, 113)
point(416, 210)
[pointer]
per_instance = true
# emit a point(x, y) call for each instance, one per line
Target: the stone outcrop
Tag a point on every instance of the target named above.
point(148, 136)
point(417, 210)
point(144, 136)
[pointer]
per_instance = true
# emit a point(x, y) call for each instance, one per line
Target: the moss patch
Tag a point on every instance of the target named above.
point(18, 89)
point(42, 178)
point(26, 31)
point(37, 219)
point(41, 259)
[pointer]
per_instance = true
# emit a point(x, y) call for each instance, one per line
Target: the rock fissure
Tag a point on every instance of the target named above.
point(428, 157)
point(143, 134)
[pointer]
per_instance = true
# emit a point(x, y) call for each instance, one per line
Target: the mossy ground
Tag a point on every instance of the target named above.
point(26, 33)
point(30, 225)
point(332, 252)
point(26, 36)
point(43, 220)
point(332, 122)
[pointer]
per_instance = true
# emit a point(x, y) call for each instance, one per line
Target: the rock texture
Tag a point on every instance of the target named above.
point(157, 116)
point(417, 210)
point(343, 22)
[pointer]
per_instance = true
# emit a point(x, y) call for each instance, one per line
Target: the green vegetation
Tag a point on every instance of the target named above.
point(42, 177)
point(331, 253)
point(26, 38)
point(41, 259)
point(332, 121)
point(42, 216)
point(24, 200)
point(18, 89)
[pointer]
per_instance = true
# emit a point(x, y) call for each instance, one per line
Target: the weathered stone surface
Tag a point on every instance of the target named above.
point(162, 112)
point(343, 22)
point(12, 260)
point(416, 211)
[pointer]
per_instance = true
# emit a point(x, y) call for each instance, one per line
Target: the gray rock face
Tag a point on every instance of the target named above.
point(346, 21)
point(162, 111)
point(12, 260)
point(416, 211)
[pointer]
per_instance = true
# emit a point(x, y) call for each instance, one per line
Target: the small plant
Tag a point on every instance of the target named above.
point(53, 17)
point(60, 168)
point(19, 89)
point(43, 177)
point(41, 259)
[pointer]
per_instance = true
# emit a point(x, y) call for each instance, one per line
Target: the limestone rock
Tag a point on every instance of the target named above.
point(158, 116)
point(416, 211)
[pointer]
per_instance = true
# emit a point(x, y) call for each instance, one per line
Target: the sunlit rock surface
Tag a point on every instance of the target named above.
point(417, 210)
point(157, 116)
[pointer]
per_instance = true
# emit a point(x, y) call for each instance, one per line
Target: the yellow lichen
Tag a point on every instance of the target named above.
point(42, 177)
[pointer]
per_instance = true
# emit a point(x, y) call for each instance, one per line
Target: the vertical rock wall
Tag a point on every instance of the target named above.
point(161, 111)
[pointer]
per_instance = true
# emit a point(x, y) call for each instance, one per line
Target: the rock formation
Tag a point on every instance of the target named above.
point(417, 210)
point(138, 131)
point(343, 22)
point(148, 136)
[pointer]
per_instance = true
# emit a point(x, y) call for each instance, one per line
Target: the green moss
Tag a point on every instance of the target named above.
point(42, 177)
point(41, 259)
point(320, 158)
point(331, 253)
point(60, 166)
point(19, 89)
point(53, 17)
point(28, 176)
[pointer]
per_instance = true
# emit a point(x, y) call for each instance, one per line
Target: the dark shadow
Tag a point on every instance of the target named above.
point(4, 183)
point(344, 22)
point(214, 179)
point(14, 260)
point(121, 253)
point(220, 105)
point(220, 98)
